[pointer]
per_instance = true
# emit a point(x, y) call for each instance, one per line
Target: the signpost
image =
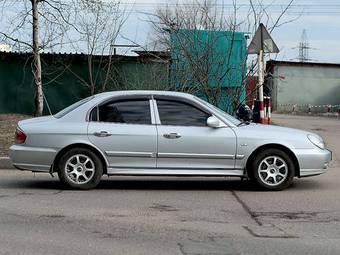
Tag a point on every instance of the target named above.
point(262, 43)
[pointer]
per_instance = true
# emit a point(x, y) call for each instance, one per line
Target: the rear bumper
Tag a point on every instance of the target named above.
point(32, 158)
point(313, 161)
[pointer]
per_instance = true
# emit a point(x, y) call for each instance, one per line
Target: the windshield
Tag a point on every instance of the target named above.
point(70, 108)
point(221, 112)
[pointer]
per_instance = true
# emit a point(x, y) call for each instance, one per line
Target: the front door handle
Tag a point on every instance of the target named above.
point(172, 136)
point(102, 134)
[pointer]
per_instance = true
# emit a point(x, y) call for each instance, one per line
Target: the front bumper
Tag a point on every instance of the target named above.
point(32, 158)
point(313, 161)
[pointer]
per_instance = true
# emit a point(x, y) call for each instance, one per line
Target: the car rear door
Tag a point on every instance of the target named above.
point(123, 130)
point(186, 142)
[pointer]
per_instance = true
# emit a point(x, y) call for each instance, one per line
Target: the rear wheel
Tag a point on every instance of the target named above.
point(80, 168)
point(272, 169)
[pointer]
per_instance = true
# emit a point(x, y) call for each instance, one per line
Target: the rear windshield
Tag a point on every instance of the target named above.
point(70, 108)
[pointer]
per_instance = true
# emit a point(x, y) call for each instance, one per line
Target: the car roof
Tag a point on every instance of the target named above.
point(142, 92)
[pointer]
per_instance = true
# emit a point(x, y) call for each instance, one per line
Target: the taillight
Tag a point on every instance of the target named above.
point(20, 136)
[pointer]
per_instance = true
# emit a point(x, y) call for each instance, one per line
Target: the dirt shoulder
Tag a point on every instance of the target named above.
point(8, 123)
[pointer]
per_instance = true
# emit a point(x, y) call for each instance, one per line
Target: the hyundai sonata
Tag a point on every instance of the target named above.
point(163, 134)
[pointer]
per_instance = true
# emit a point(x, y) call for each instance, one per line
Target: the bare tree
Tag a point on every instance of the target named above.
point(98, 25)
point(193, 30)
point(31, 15)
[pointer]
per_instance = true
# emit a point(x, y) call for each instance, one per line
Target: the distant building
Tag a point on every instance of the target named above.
point(302, 84)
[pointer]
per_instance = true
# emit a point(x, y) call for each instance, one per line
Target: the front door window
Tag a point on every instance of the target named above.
point(181, 114)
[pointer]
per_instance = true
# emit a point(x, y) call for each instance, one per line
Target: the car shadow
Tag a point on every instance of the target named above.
point(161, 183)
point(178, 184)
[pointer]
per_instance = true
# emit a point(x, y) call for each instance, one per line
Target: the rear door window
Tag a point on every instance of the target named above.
point(125, 111)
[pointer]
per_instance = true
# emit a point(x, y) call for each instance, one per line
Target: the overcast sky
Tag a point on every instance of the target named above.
point(320, 18)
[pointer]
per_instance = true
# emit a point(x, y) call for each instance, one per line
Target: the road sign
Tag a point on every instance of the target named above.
point(262, 41)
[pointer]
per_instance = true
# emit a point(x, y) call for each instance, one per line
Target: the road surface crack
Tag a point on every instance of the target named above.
point(252, 214)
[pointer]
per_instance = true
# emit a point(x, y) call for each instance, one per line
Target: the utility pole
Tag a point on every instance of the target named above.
point(304, 48)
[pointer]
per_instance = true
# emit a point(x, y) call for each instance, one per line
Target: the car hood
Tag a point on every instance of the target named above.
point(258, 134)
point(267, 129)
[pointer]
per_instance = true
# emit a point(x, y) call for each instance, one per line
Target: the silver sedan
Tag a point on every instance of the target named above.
point(162, 133)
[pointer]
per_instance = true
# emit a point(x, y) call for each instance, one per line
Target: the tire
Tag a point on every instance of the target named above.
point(80, 168)
point(272, 169)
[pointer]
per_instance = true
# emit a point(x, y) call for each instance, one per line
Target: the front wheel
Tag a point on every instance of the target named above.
point(272, 169)
point(80, 168)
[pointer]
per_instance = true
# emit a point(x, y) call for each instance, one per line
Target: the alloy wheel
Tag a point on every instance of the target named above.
point(273, 170)
point(79, 169)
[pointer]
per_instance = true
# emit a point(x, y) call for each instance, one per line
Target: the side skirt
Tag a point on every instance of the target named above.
point(176, 172)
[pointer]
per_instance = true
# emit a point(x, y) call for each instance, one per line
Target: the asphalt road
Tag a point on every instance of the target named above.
point(175, 215)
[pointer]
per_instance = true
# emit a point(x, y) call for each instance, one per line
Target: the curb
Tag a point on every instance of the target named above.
point(5, 163)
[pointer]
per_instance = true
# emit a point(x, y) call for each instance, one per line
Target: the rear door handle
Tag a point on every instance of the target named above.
point(172, 136)
point(102, 134)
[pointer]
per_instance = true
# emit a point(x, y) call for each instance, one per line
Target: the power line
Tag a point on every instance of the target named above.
point(294, 9)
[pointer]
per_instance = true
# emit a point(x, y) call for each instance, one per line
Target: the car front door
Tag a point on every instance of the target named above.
point(123, 130)
point(186, 142)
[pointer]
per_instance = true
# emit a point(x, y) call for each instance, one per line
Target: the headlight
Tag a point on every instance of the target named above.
point(317, 141)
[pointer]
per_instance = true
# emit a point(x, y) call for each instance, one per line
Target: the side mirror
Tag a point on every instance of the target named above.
point(213, 122)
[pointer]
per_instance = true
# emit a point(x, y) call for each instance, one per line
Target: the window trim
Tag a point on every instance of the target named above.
point(152, 111)
point(147, 98)
point(155, 111)
point(91, 112)
point(180, 100)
